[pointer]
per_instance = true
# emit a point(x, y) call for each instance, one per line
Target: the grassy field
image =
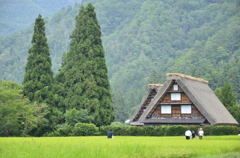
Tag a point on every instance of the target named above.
point(119, 147)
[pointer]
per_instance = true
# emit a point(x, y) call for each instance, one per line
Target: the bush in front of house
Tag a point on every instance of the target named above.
point(85, 129)
point(224, 130)
point(62, 131)
point(177, 130)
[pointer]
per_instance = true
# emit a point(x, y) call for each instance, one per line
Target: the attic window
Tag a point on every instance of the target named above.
point(186, 109)
point(166, 109)
point(175, 96)
point(175, 87)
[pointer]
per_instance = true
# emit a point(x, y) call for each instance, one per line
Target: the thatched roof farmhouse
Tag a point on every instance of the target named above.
point(181, 100)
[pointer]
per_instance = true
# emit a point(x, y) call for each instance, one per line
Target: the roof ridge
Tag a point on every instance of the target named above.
point(187, 77)
point(158, 84)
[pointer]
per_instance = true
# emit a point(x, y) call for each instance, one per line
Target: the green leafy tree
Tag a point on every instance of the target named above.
point(84, 72)
point(119, 107)
point(11, 107)
point(235, 111)
point(226, 95)
point(229, 100)
point(38, 76)
point(153, 77)
point(231, 72)
point(32, 115)
point(17, 116)
point(74, 116)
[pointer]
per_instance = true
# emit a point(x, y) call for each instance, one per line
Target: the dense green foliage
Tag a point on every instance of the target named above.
point(17, 116)
point(226, 95)
point(74, 116)
point(83, 75)
point(168, 130)
point(38, 77)
point(120, 111)
point(83, 129)
point(229, 100)
point(195, 37)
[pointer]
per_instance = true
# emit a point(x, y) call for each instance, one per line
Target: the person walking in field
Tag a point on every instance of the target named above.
point(110, 134)
point(200, 133)
point(193, 134)
point(188, 134)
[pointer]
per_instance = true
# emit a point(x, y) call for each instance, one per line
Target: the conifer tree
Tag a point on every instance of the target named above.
point(153, 78)
point(120, 112)
point(226, 95)
point(38, 76)
point(84, 73)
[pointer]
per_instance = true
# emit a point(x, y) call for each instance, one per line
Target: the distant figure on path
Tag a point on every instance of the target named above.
point(110, 134)
point(193, 134)
point(188, 134)
point(200, 133)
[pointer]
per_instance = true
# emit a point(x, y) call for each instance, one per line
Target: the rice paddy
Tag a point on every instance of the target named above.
point(119, 147)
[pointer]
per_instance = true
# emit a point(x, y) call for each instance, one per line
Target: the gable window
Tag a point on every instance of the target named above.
point(175, 96)
point(175, 87)
point(186, 109)
point(166, 109)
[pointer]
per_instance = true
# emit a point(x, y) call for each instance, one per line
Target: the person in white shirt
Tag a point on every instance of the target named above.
point(188, 134)
point(200, 133)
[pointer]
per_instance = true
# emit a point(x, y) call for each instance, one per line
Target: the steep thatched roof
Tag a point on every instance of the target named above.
point(200, 94)
point(151, 87)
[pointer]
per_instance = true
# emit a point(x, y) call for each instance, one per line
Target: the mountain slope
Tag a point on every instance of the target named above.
point(197, 37)
point(16, 15)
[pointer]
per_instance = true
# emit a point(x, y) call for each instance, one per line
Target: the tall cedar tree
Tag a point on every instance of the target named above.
point(38, 76)
point(84, 72)
point(226, 95)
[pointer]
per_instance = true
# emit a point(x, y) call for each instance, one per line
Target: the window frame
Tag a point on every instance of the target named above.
point(187, 109)
point(175, 87)
point(166, 110)
point(175, 97)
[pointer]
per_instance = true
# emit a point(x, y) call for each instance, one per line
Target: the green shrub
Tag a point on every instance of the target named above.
point(84, 129)
point(162, 130)
point(224, 130)
point(65, 130)
point(177, 130)
point(135, 131)
point(207, 130)
point(103, 130)
point(118, 124)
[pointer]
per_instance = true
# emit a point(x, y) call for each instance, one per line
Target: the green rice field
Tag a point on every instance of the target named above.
point(119, 147)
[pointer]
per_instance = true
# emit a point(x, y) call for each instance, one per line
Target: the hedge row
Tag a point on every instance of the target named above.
point(84, 129)
point(80, 129)
point(168, 130)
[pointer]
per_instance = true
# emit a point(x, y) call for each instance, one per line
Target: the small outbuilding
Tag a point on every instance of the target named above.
point(181, 100)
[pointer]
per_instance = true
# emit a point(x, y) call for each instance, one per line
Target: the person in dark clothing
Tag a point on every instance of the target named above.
point(193, 135)
point(109, 134)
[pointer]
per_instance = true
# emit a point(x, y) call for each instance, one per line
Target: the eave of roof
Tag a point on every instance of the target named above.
point(157, 87)
point(171, 120)
point(155, 100)
point(206, 101)
point(136, 124)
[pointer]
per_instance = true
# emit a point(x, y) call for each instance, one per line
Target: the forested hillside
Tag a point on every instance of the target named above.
point(17, 15)
point(200, 38)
